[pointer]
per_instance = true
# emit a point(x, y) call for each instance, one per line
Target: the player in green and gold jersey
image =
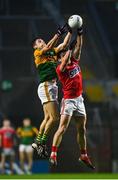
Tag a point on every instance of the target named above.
point(46, 60)
point(26, 134)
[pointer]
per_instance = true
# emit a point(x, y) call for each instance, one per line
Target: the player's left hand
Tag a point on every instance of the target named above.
point(80, 31)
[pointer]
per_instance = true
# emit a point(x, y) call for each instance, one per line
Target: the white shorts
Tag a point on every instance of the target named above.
point(25, 148)
point(48, 91)
point(73, 106)
point(8, 152)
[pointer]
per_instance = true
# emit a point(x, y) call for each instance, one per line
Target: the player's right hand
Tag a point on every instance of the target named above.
point(61, 30)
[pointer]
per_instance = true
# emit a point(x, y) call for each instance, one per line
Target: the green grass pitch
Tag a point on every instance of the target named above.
point(62, 176)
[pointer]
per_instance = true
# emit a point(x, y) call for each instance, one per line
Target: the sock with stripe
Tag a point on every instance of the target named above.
point(44, 138)
point(38, 138)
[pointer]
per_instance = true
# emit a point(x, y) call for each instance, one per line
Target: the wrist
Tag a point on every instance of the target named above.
point(70, 30)
point(80, 31)
point(58, 35)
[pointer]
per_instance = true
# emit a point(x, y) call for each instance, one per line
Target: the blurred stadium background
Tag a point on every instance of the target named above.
point(20, 22)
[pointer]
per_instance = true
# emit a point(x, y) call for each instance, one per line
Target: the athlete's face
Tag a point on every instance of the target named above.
point(6, 123)
point(26, 122)
point(40, 43)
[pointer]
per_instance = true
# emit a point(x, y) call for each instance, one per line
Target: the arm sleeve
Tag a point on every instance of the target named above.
point(38, 52)
point(35, 130)
point(18, 131)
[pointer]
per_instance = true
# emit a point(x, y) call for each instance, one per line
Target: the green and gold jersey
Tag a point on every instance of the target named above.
point(46, 64)
point(27, 134)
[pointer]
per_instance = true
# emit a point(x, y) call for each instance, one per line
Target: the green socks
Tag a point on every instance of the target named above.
point(38, 138)
point(41, 138)
point(44, 139)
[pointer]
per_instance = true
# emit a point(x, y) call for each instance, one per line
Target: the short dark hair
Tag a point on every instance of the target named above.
point(34, 41)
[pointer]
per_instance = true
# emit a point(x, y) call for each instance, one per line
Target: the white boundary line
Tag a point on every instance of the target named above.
point(56, 179)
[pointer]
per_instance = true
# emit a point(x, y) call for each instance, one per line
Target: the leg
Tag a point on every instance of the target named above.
point(29, 155)
point(81, 132)
point(64, 122)
point(51, 117)
point(47, 93)
point(81, 139)
point(22, 156)
point(43, 124)
point(3, 160)
point(52, 110)
point(12, 163)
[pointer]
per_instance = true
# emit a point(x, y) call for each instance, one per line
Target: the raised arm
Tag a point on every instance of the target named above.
point(65, 43)
point(78, 47)
point(67, 57)
point(65, 60)
point(52, 42)
point(49, 45)
point(56, 37)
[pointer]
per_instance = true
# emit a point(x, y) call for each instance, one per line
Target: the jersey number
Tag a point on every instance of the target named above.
point(73, 72)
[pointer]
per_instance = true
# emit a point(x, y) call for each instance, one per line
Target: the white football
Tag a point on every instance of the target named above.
point(75, 21)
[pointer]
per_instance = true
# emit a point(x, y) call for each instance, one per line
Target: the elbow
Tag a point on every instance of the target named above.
point(64, 46)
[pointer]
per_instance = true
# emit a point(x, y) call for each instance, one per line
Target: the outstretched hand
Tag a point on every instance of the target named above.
point(61, 30)
point(80, 31)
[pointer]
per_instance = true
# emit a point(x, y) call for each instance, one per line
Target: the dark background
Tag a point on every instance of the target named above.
point(23, 20)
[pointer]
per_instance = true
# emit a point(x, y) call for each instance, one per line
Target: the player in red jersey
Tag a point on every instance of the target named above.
point(70, 75)
point(7, 135)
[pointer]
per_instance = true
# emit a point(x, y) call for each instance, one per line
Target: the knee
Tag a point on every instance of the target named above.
point(61, 130)
point(54, 118)
point(46, 118)
point(21, 157)
point(44, 121)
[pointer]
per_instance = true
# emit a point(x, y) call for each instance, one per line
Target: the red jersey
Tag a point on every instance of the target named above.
point(7, 137)
point(71, 79)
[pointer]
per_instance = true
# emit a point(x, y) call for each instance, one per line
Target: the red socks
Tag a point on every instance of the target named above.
point(83, 152)
point(54, 149)
point(54, 152)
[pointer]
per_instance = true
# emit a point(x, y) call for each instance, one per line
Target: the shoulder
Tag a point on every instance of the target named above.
point(33, 127)
point(37, 52)
point(75, 60)
point(1, 130)
point(19, 129)
point(12, 129)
